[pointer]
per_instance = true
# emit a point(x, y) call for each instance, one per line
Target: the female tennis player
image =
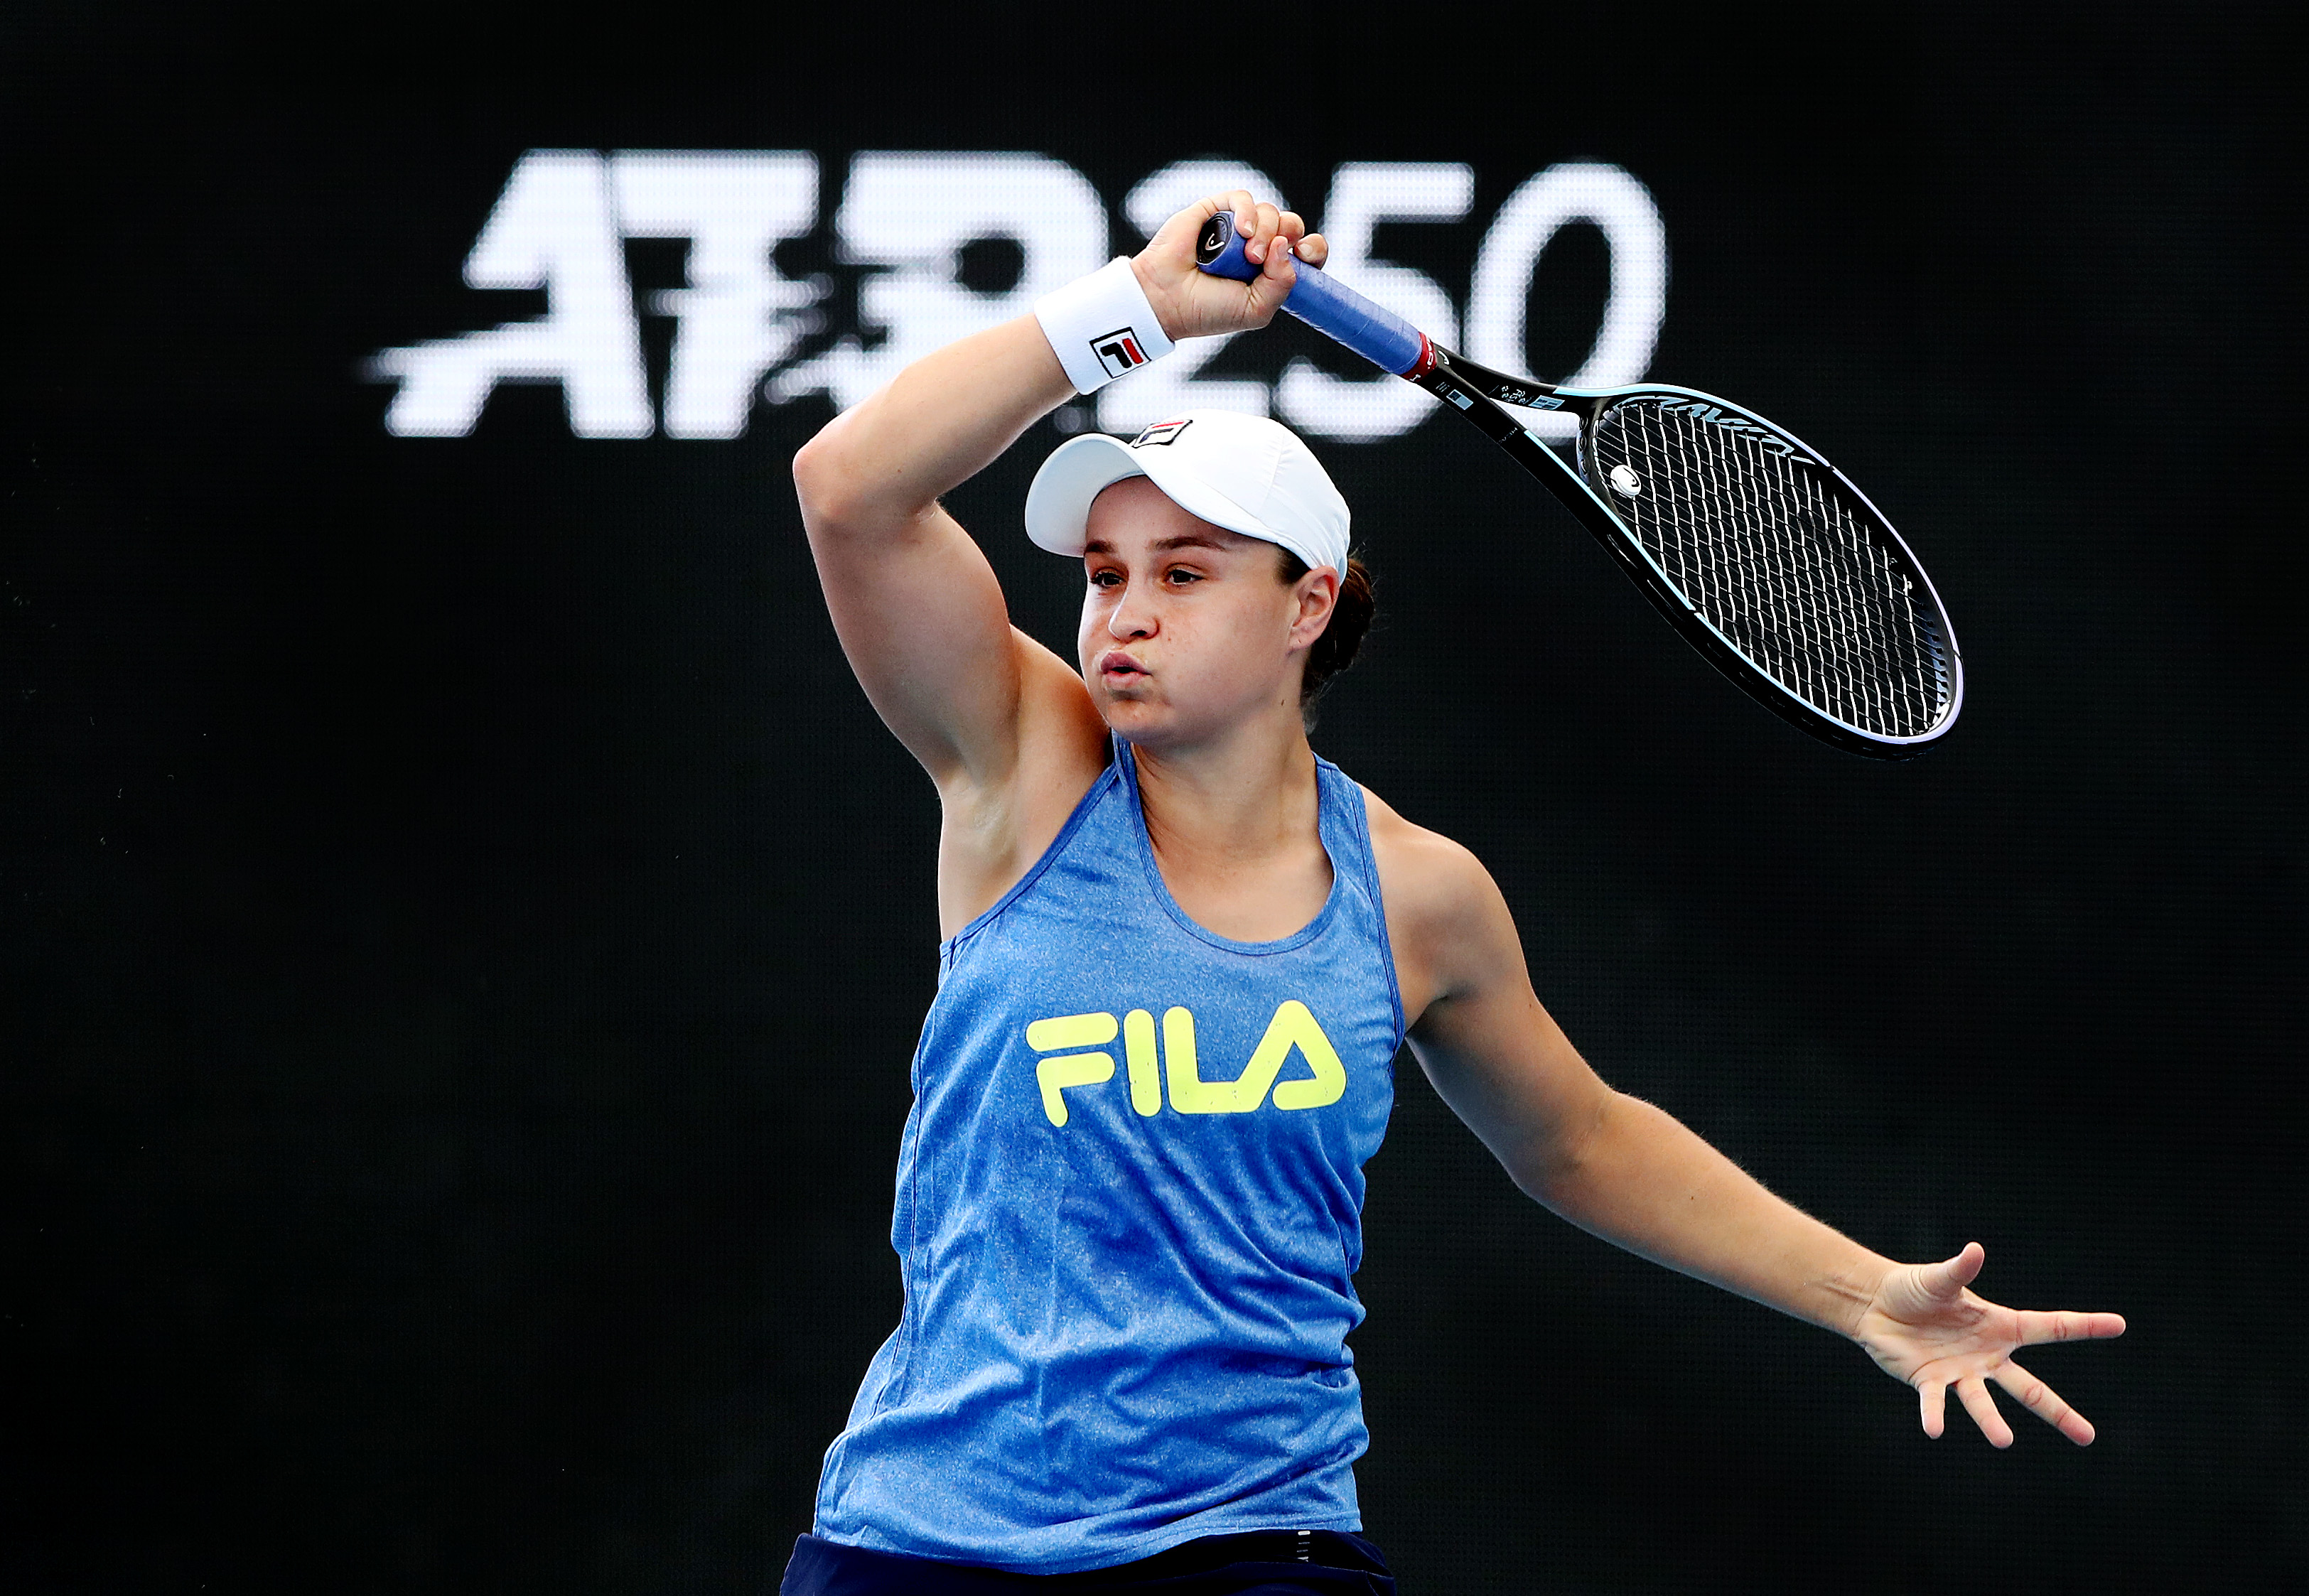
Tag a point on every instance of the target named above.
point(1180, 952)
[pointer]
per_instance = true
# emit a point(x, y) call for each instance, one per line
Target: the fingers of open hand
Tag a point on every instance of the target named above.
point(1932, 1406)
point(1972, 1392)
point(2044, 1403)
point(1950, 1278)
point(2037, 1328)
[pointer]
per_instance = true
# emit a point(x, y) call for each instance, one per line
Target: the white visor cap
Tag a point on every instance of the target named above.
point(1245, 473)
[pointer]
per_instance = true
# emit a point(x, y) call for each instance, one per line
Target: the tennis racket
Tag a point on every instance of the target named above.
point(1761, 553)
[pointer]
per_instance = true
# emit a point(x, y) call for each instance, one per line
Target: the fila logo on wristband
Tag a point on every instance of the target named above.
point(1119, 351)
point(1109, 298)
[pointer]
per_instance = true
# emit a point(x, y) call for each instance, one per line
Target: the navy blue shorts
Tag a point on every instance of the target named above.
point(1262, 1563)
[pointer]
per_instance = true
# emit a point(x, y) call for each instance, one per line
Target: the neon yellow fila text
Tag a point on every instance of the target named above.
point(1066, 1038)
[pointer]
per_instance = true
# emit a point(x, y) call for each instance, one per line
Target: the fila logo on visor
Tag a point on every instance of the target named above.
point(1119, 351)
point(1161, 432)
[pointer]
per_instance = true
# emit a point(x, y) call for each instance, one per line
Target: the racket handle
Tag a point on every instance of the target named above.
point(1373, 331)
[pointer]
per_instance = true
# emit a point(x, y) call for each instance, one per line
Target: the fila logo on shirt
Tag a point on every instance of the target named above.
point(1293, 1028)
point(1119, 351)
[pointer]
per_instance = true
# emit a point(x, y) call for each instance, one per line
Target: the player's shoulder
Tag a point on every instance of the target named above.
point(1429, 879)
point(1450, 926)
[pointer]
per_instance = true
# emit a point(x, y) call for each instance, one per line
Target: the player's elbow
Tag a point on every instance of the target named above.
point(851, 490)
point(1550, 1176)
point(825, 481)
point(1556, 1166)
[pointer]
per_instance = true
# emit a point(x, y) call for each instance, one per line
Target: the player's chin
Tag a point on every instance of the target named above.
point(1134, 715)
point(1125, 708)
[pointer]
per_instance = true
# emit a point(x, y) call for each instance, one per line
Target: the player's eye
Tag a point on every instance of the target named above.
point(1179, 576)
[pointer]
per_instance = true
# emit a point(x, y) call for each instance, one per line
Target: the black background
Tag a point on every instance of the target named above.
point(464, 930)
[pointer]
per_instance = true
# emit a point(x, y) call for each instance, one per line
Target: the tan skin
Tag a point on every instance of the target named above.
point(1192, 648)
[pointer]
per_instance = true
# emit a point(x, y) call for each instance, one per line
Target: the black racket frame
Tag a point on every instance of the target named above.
point(1481, 395)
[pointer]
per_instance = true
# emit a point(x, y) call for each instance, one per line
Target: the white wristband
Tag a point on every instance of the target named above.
point(1101, 327)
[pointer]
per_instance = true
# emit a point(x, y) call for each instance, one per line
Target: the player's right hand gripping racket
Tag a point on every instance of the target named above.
point(1758, 552)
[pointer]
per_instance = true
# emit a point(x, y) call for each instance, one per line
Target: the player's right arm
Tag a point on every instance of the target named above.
point(918, 610)
point(913, 598)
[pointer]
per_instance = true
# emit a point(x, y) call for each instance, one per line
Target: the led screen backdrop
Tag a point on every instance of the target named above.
point(465, 930)
point(949, 242)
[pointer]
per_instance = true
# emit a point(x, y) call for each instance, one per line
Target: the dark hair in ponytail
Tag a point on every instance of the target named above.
point(1351, 618)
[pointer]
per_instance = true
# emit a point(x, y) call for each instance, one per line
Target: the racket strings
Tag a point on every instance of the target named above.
point(1782, 564)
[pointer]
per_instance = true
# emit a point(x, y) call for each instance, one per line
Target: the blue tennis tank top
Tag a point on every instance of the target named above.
point(1130, 1204)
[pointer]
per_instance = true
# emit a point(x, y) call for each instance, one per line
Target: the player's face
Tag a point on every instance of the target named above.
point(1186, 629)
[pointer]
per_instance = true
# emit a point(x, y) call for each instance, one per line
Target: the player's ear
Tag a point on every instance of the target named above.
point(1317, 594)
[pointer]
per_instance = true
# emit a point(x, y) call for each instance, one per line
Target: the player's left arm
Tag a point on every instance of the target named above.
point(1631, 1173)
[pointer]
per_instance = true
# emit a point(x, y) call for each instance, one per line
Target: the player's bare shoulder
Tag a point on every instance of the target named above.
point(1445, 917)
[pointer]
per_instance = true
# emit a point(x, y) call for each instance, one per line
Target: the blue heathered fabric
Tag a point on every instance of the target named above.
point(1126, 1332)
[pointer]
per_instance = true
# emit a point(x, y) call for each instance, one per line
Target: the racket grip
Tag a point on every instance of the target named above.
point(1373, 331)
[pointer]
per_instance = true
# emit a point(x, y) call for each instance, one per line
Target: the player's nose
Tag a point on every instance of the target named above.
point(1134, 614)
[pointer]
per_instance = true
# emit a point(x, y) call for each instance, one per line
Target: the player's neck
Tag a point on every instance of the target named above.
point(1249, 796)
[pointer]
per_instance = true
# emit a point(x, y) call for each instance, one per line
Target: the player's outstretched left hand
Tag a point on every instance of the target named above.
point(1924, 1326)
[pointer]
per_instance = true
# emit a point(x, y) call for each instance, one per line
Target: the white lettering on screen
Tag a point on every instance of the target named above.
point(550, 230)
point(912, 213)
point(908, 216)
point(738, 318)
point(1578, 191)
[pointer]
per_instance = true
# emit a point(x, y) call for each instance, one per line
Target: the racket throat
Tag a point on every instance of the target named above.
point(1467, 376)
point(1438, 371)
